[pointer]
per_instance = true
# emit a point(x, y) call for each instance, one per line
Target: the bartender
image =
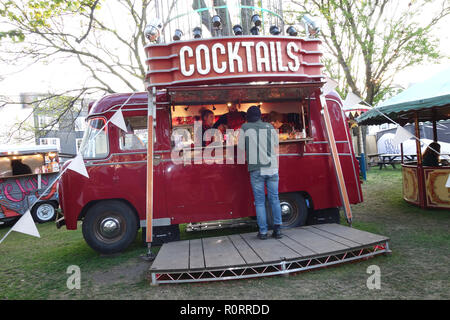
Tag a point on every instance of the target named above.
point(231, 120)
point(276, 119)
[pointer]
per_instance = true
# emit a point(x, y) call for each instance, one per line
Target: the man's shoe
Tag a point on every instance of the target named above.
point(262, 236)
point(277, 232)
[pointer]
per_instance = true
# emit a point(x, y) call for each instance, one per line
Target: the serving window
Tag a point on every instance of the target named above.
point(290, 118)
point(19, 165)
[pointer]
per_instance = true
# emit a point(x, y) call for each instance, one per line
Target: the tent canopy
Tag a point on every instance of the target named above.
point(430, 99)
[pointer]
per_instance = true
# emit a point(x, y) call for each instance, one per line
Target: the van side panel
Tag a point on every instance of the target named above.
point(193, 193)
point(312, 170)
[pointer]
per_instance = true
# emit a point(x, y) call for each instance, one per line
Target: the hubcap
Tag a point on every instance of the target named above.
point(45, 212)
point(288, 212)
point(110, 227)
point(286, 208)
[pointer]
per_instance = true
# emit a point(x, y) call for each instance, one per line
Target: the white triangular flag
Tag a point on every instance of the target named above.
point(77, 165)
point(329, 86)
point(118, 120)
point(401, 135)
point(26, 225)
point(447, 184)
point(351, 100)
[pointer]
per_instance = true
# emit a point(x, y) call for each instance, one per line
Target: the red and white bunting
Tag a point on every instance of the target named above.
point(401, 135)
point(351, 100)
point(329, 86)
point(24, 225)
point(118, 120)
point(77, 165)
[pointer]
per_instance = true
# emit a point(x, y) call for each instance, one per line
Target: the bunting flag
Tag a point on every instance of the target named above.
point(118, 120)
point(401, 135)
point(329, 86)
point(351, 100)
point(77, 165)
point(447, 184)
point(24, 225)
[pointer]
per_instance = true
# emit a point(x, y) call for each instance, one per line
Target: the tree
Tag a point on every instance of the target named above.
point(369, 41)
point(109, 52)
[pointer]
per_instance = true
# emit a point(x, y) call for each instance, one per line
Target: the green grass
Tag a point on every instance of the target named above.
point(32, 268)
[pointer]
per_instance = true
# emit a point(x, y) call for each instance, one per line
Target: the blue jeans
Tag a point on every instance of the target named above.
point(258, 181)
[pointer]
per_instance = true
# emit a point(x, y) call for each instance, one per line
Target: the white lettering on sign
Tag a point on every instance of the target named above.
point(199, 57)
point(273, 56)
point(281, 67)
point(234, 56)
point(227, 57)
point(248, 52)
point(184, 71)
point(293, 46)
point(214, 58)
point(262, 59)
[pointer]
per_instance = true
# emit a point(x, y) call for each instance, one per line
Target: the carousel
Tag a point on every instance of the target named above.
point(424, 185)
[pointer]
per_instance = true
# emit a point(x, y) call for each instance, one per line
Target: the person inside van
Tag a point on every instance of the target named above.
point(19, 168)
point(234, 119)
point(207, 119)
point(430, 158)
point(276, 119)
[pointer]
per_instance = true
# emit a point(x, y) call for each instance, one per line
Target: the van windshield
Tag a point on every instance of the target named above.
point(95, 140)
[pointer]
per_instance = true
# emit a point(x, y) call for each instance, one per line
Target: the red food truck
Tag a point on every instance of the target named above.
point(112, 202)
point(226, 75)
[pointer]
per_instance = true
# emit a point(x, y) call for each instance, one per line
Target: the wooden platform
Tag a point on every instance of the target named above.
point(244, 255)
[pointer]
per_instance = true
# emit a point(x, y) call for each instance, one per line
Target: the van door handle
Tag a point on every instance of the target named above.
point(156, 159)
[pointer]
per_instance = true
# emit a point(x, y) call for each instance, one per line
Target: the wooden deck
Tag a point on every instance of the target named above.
point(244, 251)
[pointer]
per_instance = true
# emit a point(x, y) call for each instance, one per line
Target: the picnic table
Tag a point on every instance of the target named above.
point(390, 158)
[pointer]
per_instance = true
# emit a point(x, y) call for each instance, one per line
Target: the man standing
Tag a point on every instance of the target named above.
point(231, 120)
point(261, 142)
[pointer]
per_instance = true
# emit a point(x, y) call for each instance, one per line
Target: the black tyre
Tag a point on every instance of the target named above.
point(44, 211)
point(9, 222)
point(293, 210)
point(110, 226)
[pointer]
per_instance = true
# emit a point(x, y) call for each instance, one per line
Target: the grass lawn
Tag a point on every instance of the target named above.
point(32, 268)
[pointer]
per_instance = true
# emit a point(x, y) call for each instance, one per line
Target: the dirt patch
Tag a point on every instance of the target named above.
point(133, 271)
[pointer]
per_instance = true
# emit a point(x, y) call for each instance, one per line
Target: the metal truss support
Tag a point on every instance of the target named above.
point(284, 267)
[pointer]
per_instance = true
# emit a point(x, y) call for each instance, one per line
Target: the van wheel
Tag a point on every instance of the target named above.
point(43, 212)
point(110, 227)
point(293, 210)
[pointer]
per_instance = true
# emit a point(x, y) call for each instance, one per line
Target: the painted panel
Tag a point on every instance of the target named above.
point(17, 194)
point(437, 195)
point(410, 185)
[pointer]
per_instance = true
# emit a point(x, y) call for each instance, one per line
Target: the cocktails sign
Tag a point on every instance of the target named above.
point(233, 59)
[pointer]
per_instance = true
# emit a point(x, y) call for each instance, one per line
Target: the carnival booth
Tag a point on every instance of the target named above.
point(423, 185)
